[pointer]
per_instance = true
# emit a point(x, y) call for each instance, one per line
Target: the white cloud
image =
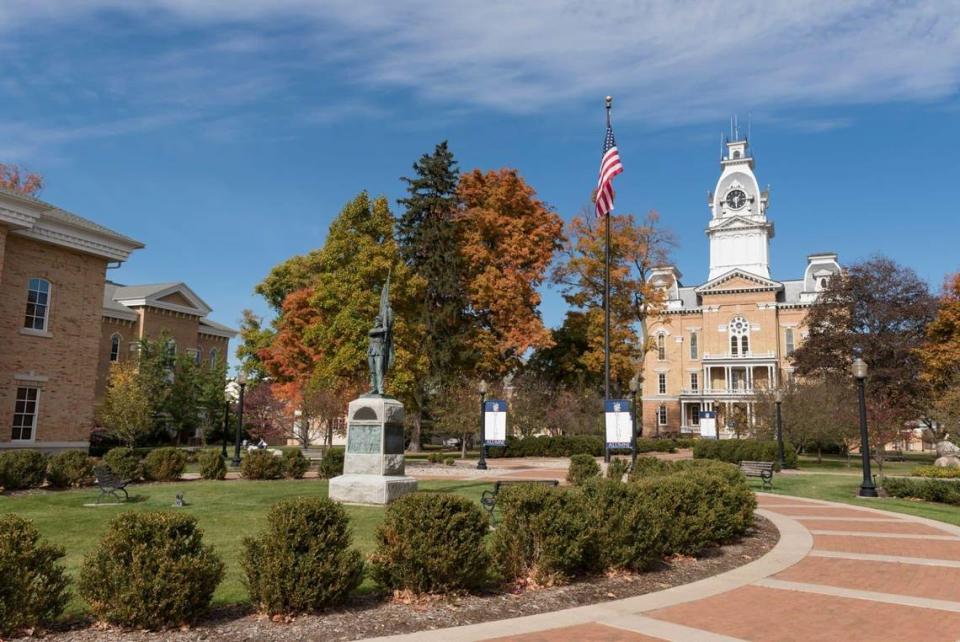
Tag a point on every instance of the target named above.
point(671, 61)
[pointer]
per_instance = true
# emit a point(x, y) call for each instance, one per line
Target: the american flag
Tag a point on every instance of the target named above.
point(610, 166)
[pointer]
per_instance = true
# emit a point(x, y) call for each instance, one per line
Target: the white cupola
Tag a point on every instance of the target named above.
point(739, 232)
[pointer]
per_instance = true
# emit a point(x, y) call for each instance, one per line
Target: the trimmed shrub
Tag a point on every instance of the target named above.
point(332, 463)
point(22, 469)
point(431, 543)
point(212, 464)
point(647, 445)
point(582, 468)
point(736, 450)
point(261, 464)
point(302, 562)
point(617, 468)
point(33, 587)
point(945, 491)
point(561, 446)
point(151, 570)
point(938, 472)
point(647, 466)
point(164, 464)
point(435, 457)
point(124, 463)
point(630, 528)
point(70, 468)
point(545, 533)
point(295, 465)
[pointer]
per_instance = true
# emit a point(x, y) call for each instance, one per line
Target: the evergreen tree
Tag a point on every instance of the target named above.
point(429, 240)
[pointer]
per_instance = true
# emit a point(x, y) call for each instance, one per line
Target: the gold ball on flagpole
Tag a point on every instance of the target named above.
point(609, 99)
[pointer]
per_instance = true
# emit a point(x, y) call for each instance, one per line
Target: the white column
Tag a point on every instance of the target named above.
point(683, 414)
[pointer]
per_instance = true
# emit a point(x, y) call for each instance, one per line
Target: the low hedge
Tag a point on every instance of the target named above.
point(939, 472)
point(33, 586)
point(303, 561)
point(70, 468)
point(151, 570)
point(124, 463)
point(647, 445)
point(582, 467)
point(553, 534)
point(431, 543)
point(261, 464)
point(22, 469)
point(295, 465)
point(736, 450)
point(944, 491)
point(617, 468)
point(563, 446)
point(212, 464)
point(164, 464)
point(332, 463)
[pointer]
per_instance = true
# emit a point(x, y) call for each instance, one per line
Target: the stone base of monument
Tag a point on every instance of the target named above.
point(370, 489)
point(373, 465)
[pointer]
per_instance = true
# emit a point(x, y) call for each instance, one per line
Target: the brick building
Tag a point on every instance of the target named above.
point(719, 342)
point(52, 273)
point(135, 312)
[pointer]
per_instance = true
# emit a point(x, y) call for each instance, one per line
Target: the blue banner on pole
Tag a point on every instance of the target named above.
point(495, 422)
point(618, 418)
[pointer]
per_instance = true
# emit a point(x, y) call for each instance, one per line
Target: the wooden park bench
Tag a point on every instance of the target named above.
point(489, 498)
point(110, 484)
point(761, 469)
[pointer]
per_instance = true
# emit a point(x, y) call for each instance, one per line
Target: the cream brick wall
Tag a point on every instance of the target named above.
point(63, 363)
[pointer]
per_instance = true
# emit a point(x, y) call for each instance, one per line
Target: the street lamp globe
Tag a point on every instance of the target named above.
point(778, 395)
point(482, 387)
point(242, 378)
point(859, 368)
point(634, 384)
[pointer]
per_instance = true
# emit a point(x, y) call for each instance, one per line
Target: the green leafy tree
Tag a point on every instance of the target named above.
point(126, 412)
point(562, 364)
point(429, 240)
point(254, 338)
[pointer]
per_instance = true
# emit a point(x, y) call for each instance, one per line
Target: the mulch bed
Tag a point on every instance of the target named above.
point(373, 615)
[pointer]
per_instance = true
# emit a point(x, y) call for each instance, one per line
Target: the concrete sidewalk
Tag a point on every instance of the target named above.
point(839, 572)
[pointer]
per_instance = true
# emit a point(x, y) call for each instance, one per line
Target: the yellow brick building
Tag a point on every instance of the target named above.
point(719, 342)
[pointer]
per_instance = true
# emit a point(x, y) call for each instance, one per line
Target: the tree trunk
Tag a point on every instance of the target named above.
point(819, 454)
point(463, 446)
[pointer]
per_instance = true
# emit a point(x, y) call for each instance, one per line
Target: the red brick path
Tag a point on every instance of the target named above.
point(908, 588)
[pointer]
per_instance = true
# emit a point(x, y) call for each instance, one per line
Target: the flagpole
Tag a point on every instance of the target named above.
point(606, 290)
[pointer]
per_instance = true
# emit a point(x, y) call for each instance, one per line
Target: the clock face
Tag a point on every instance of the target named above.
point(736, 199)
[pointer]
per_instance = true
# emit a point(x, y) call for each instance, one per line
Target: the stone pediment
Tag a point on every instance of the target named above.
point(739, 281)
point(738, 222)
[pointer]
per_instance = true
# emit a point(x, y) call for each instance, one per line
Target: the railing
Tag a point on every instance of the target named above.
point(736, 390)
point(749, 355)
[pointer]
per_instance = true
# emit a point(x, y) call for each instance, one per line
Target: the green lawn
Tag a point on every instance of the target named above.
point(227, 512)
point(841, 464)
point(841, 488)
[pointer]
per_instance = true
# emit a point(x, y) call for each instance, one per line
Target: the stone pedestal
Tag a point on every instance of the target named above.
point(373, 466)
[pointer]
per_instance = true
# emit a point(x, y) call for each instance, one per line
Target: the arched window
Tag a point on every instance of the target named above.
point(115, 341)
point(739, 330)
point(38, 305)
point(694, 347)
point(198, 356)
point(171, 348)
point(214, 357)
point(736, 154)
point(661, 347)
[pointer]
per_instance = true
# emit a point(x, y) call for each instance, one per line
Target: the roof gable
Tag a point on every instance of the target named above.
point(177, 297)
point(738, 281)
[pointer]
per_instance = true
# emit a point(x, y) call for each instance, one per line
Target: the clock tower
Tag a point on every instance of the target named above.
point(739, 232)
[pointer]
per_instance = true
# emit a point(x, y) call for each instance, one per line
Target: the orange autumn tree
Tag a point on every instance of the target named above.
point(509, 239)
point(636, 247)
point(940, 355)
point(14, 178)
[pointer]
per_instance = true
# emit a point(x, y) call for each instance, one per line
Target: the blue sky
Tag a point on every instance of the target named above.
point(225, 134)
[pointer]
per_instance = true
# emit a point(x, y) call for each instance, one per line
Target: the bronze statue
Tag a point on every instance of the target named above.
point(380, 354)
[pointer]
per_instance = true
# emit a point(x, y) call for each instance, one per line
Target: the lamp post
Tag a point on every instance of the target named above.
point(482, 389)
point(242, 380)
point(867, 489)
point(634, 387)
point(226, 425)
point(778, 398)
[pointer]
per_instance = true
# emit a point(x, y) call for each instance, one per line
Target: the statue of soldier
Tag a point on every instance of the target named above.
point(377, 355)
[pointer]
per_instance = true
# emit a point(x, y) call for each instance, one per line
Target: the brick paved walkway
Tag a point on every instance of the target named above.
point(838, 573)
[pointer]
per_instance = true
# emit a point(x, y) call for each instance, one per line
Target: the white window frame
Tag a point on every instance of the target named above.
point(214, 357)
point(661, 347)
point(46, 306)
point(694, 346)
point(36, 415)
point(789, 341)
point(116, 340)
point(662, 415)
point(695, 381)
point(694, 417)
point(661, 383)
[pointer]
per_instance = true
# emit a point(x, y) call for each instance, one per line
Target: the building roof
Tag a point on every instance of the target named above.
point(120, 301)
